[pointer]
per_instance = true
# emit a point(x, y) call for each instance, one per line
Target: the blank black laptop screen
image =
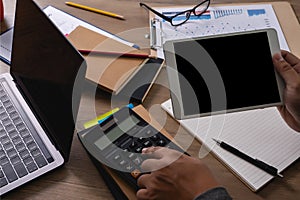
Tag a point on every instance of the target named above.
point(45, 65)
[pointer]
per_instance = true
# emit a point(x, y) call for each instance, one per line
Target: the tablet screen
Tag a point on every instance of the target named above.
point(245, 66)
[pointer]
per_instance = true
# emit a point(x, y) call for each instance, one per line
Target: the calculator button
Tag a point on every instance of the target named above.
point(117, 157)
point(133, 144)
point(135, 173)
point(154, 137)
point(124, 144)
point(131, 155)
point(161, 142)
point(149, 132)
point(138, 161)
point(134, 130)
point(148, 143)
point(122, 162)
point(141, 139)
point(146, 132)
point(129, 167)
point(110, 154)
point(126, 150)
point(138, 150)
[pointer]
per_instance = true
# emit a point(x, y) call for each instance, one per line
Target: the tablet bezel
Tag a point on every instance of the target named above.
point(174, 84)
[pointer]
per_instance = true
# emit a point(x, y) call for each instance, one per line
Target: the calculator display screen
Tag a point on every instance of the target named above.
point(116, 132)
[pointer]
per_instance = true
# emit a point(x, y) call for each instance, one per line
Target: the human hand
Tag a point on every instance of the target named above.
point(288, 66)
point(173, 176)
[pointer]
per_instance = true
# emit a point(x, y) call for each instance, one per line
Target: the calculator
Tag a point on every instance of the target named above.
point(118, 142)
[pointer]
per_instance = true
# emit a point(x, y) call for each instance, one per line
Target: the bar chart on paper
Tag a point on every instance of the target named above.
point(217, 20)
point(223, 22)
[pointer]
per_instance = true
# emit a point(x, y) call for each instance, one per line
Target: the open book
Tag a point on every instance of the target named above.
point(261, 134)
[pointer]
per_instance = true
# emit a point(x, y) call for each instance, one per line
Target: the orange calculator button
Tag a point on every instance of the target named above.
point(135, 173)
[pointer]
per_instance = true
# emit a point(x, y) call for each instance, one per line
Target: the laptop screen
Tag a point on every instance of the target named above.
point(45, 66)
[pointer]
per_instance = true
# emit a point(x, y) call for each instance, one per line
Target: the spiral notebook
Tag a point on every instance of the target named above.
point(261, 134)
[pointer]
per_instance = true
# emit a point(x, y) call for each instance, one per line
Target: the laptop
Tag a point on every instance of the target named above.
point(38, 105)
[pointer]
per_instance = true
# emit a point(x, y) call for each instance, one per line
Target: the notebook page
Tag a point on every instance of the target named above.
point(261, 134)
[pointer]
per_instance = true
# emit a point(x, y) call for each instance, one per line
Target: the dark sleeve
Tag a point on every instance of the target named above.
point(218, 193)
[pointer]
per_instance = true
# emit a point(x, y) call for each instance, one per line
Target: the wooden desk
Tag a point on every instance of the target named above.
point(79, 179)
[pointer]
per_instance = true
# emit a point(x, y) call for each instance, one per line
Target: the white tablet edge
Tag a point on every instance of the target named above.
point(174, 81)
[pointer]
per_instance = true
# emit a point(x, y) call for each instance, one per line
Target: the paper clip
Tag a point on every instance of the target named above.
point(155, 41)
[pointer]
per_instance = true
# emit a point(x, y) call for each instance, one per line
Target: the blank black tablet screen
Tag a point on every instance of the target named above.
point(244, 63)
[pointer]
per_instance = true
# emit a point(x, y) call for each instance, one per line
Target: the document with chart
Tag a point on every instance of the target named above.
point(216, 20)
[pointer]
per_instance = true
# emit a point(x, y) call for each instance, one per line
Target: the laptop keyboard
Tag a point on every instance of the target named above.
point(21, 150)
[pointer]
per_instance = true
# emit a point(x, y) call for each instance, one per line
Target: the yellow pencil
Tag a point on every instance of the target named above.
point(76, 5)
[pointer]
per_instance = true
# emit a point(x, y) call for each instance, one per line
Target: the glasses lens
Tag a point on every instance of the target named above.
point(180, 18)
point(201, 8)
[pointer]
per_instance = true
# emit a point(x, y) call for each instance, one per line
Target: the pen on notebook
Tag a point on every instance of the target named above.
point(76, 5)
point(258, 163)
point(130, 55)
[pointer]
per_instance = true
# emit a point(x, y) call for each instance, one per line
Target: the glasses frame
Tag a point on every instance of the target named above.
point(188, 12)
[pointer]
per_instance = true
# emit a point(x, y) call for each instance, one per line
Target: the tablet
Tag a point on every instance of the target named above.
point(223, 73)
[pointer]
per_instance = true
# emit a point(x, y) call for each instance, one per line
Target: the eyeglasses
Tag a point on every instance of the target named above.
point(181, 17)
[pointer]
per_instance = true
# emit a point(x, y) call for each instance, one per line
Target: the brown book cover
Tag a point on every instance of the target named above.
point(109, 72)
